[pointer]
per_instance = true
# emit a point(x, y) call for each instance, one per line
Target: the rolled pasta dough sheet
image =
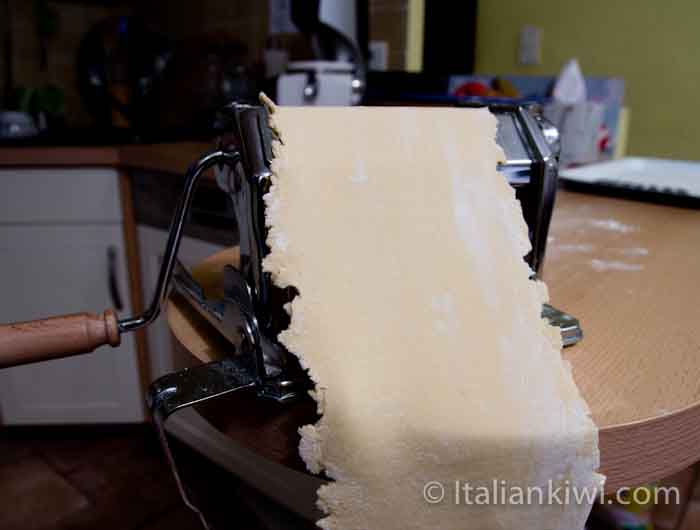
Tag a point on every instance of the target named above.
point(419, 326)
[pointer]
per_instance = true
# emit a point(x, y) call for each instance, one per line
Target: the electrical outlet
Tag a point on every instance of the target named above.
point(530, 49)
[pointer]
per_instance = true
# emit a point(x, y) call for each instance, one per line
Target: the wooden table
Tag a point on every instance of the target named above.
point(630, 272)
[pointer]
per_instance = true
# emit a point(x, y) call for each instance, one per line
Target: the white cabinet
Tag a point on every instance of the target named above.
point(55, 247)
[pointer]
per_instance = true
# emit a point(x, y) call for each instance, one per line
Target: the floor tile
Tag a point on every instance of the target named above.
point(34, 496)
point(111, 479)
point(71, 448)
point(12, 450)
point(181, 518)
point(692, 517)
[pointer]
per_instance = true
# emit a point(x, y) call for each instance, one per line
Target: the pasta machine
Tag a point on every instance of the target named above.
point(250, 313)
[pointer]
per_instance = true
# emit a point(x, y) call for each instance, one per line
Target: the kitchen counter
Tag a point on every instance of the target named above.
point(167, 157)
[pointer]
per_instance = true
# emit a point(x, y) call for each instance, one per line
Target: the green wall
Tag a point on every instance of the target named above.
point(653, 45)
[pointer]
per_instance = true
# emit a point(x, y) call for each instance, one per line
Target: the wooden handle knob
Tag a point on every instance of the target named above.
point(52, 338)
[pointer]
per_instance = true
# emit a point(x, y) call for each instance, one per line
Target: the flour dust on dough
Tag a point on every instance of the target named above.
point(418, 324)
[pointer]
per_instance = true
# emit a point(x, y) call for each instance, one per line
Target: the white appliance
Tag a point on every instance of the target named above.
point(330, 83)
point(337, 76)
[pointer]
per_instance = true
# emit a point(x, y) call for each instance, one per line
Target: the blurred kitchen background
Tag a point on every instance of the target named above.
point(163, 62)
point(115, 97)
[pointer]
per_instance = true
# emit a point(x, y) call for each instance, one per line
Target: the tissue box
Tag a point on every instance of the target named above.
point(581, 130)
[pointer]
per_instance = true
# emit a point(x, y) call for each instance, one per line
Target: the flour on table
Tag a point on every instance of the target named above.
point(602, 266)
point(635, 251)
point(613, 226)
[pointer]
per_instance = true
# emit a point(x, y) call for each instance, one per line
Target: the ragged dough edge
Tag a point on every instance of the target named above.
point(310, 445)
point(276, 240)
point(312, 436)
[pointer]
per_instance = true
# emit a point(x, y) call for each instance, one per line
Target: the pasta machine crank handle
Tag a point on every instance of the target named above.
point(63, 336)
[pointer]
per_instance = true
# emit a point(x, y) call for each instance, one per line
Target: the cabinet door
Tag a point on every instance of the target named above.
point(51, 270)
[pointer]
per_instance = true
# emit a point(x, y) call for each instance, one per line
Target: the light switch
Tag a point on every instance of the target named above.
point(379, 55)
point(530, 49)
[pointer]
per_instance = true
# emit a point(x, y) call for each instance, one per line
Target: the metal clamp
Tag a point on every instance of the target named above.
point(571, 332)
point(189, 387)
